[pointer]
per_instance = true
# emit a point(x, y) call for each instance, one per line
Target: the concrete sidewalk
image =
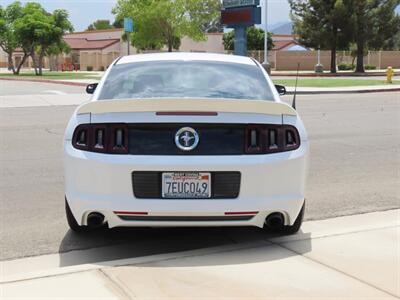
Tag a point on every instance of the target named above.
point(339, 74)
point(42, 100)
point(344, 90)
point(353, 257)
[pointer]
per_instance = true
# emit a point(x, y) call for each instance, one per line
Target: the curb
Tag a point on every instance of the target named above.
point(333, 75)
point(397, 89)
point(45, 266)
point(46, 81)
point(344, 92)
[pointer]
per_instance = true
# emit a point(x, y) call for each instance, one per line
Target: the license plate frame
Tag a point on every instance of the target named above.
point(186, 185)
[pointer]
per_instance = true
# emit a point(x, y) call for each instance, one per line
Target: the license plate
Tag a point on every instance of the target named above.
point(186, 185)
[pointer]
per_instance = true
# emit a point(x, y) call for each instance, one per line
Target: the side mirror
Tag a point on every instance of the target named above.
point(281, 89)
point(90, 88)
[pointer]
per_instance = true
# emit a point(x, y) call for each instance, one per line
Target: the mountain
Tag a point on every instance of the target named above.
point(282, 28)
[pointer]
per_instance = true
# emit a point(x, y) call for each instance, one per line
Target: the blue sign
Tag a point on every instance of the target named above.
point(128, 25)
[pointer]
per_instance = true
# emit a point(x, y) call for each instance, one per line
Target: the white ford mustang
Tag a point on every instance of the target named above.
point(185, 139)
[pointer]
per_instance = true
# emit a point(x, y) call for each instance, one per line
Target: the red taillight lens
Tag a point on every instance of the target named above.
point(103, 138)
point(263, 139)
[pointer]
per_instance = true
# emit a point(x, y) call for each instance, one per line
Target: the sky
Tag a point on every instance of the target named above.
point(84, 12)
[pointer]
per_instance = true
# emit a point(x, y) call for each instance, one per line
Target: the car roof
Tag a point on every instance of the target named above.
point(185, 56)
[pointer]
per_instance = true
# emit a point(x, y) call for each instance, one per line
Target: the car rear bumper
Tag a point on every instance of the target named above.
point(103, 183)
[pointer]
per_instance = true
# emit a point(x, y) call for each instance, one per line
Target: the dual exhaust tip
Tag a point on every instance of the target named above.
point(95, 220)
point(275, 221)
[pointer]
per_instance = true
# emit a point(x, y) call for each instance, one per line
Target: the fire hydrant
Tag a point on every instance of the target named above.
point(389, 74)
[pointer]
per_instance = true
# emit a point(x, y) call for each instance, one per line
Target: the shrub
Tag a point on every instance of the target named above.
point(89, 68)
point(345, 67)
point(370, 67)
point(102, 68)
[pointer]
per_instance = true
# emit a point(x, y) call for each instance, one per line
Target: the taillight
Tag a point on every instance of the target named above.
point(104, 138)
point(263, 139)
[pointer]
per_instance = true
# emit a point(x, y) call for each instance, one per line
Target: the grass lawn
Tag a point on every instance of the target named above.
point(334, 82)
point(54, 75)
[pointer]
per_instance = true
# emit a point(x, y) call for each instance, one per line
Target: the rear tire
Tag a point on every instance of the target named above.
point(290, 229)
point(73, 224)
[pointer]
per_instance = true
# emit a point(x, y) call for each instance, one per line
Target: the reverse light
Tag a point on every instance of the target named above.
point(105, 138)
point(264, 139)
point(119, 138)
point(82, 138)
point(99, 138)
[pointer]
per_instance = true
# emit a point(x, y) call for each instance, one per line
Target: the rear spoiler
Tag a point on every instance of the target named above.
point(186, 105)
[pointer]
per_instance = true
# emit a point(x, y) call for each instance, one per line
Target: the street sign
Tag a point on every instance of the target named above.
point(128, 25)
point(240, 3)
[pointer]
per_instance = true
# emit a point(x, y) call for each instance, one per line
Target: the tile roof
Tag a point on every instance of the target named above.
point(83, 43)
point(279, 45)
point(96, 31)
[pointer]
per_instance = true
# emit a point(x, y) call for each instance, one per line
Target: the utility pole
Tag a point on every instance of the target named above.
point(318, 67)
point(266, 63)
point(127, 42)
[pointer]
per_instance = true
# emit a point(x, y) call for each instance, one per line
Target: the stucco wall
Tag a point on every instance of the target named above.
point(213, 44)
point(287, 60)
point(3, 59)
point(96, 59)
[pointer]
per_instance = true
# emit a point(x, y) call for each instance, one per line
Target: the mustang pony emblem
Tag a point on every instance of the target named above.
point(186, 139)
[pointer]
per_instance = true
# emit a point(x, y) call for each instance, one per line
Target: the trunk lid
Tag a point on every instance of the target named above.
point(187, 105)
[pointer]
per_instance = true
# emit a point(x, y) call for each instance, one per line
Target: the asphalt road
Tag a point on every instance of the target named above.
point(8, 87)
point(355, 163)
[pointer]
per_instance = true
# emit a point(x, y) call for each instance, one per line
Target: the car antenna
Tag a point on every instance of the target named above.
point(295, 87)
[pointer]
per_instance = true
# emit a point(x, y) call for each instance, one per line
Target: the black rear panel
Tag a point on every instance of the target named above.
point(186, 219)
point(224, 185)
point(159, 139)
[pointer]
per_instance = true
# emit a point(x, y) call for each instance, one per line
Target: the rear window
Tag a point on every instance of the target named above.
point(186, 79)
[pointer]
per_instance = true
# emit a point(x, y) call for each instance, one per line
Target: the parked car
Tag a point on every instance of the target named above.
point(185, 139)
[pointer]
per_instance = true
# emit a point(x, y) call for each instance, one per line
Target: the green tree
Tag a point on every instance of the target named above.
point(8, 38)
point(375, 26)
point(100, 25)
point(323, 24)
point(161, 23)
point(255, 39)
point(50, 37)
point(38, 31)
point(396, 41)
point(27, 27)
point(212, 24)
point(118, 23)
point(54, 50)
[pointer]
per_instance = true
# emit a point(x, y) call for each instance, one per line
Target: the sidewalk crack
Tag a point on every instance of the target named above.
point(118, 286)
